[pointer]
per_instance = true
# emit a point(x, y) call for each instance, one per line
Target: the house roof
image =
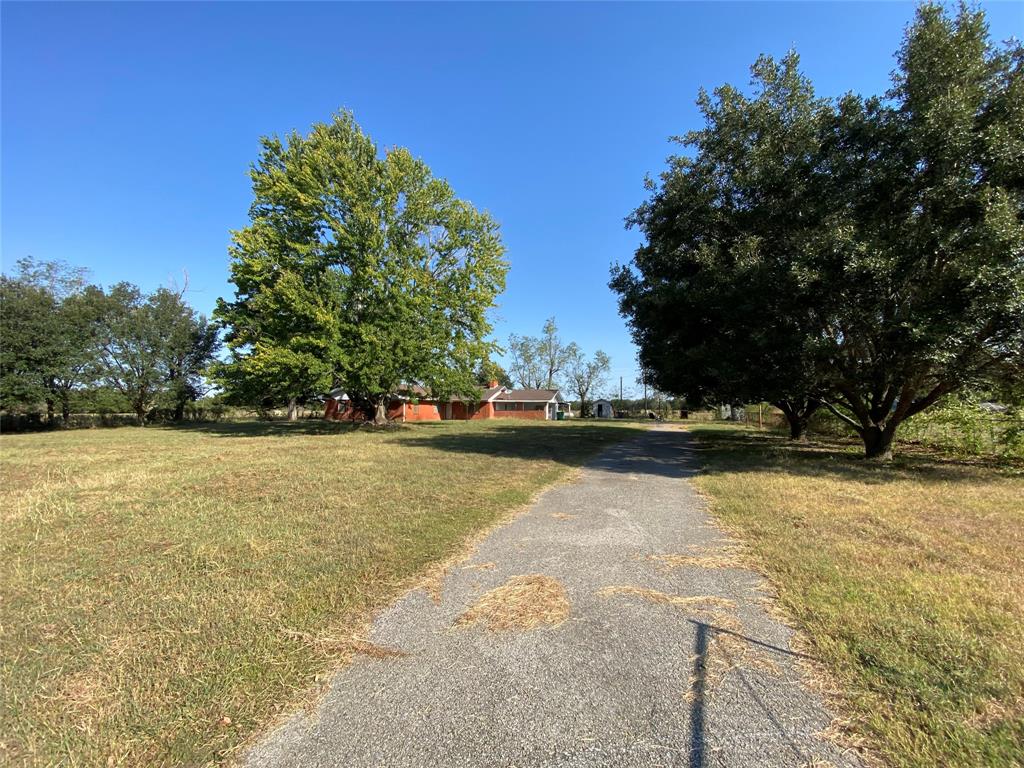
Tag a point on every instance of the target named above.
point(528, 395)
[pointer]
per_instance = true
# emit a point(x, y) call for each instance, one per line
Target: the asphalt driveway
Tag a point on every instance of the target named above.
point(658, 649)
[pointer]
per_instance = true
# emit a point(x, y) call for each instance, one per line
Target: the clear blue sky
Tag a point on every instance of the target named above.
point(128, 128)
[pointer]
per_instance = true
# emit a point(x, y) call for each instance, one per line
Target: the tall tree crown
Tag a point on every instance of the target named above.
point(358, 269)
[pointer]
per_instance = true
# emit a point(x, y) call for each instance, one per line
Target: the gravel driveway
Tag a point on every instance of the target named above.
point(651, 647)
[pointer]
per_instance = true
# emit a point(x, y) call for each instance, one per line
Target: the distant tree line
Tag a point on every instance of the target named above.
point(863, 255)
point(71, 346)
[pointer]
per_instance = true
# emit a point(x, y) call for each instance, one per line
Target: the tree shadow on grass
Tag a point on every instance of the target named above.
point(605, 448)
point(662, 453)
point(740, 451)
point(258, 428)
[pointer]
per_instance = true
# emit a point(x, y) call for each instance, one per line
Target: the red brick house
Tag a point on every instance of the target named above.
point(494, 402)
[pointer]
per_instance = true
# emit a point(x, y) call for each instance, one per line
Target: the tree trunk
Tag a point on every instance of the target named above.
point(179, 410)
point(51, 419)
point(878, 442)
point(140, 414)
point(293, 409)
point(380, 416)
point(798, 413)
point(797, 427)
point(65, 408)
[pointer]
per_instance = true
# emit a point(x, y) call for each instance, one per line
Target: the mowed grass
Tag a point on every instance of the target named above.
point(907, 579)
point(167, 591)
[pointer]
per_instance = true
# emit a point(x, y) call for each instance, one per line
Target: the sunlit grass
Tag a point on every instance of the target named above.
point(907, 579)
point(167, 591)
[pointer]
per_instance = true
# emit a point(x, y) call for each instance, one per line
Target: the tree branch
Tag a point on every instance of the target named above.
point(843, 417)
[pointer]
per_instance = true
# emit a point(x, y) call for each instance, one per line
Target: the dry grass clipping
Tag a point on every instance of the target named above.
point(664, 598)
point(729, 556)
point(563, 516)
point(522, 602)
point(728, 649)
point(479, 567)
point(345, 648)
point(374, 651)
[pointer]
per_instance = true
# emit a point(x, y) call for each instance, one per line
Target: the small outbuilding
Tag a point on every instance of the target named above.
point(603, 409)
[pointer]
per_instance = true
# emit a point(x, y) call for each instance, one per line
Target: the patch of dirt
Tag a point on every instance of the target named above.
point(522, 602)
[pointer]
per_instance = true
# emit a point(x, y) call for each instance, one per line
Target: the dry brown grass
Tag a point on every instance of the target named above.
point(158, 580)
point(905, 578)
point(523, 602)
point(729, 649)
point(361, 647)
point(663, 598)
point(479, 567)
point(728, 556)
point(563, 516)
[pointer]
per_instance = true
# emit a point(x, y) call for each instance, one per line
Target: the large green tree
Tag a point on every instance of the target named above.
point(919, 269)
point(867, 254)
point(29, 339)
point(153, 348)
point(359, 269)
point(49, 320)
point(715, 306)
point(524, 361)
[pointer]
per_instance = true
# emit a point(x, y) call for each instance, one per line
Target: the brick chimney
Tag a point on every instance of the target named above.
point(492, 384)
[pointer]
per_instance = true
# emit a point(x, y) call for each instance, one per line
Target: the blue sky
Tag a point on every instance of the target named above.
point(128, 128)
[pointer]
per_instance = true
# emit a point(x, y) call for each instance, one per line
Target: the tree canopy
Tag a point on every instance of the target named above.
point(153, 348)
point(538, 362)
point(62, 336)
point(862, 253)
point(359, 270)
point(586, 376)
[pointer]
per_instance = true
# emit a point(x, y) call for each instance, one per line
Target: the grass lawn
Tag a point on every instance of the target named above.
point(166, 591)
point(907, 579)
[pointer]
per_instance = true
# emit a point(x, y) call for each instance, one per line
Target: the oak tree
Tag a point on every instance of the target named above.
point(359, 269)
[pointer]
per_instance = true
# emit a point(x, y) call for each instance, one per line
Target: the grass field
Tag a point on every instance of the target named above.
point(167, 591)
point(907, 579)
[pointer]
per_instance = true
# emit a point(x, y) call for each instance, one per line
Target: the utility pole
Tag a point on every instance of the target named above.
point(620, 392)
point(644, 377)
